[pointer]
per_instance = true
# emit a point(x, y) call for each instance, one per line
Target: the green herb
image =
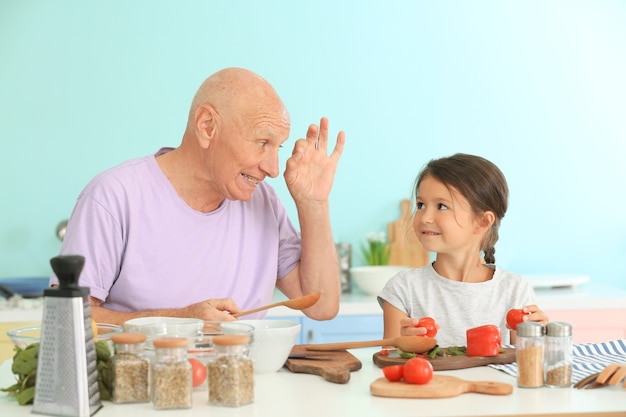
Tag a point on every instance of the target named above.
point(377, 251)
point(105, 372)
point(25, 368)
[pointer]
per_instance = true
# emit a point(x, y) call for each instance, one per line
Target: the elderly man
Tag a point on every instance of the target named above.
point(195, 231)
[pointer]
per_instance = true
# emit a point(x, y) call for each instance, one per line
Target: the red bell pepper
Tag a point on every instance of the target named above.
point(484, 341)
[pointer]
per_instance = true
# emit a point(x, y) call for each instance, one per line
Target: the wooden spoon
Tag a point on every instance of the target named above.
point(413, 344)
point(298, 303)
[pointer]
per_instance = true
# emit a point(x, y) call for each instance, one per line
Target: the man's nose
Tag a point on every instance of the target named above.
point(269, 165)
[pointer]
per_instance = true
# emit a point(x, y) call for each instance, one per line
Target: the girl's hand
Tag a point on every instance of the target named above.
point(535, 314)
point(407, 328)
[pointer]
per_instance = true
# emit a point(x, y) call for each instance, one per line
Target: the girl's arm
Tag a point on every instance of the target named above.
point(398, 323)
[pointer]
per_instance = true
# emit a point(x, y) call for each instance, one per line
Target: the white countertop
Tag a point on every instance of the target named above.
point(580, 297)
point(287, 394)
point(590, 296)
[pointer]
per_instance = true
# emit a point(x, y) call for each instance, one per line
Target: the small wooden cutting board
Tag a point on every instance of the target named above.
point(404, 247)
point(448, 363)
point(333, 366)
point(441, 386)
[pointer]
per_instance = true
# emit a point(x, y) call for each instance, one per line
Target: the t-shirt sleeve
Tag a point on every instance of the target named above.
point(94, 233)
point(395, 293)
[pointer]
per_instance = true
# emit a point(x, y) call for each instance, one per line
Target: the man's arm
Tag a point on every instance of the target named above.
point(213, 309)
point(309, 176)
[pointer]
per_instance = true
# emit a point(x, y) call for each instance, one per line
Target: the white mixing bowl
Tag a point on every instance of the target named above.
point(273, 341)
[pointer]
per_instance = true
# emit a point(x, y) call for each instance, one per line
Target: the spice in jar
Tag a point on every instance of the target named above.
point(130, 369)
point(559, 355)
point(529, 354)
point(231, 373)
point(171, 374)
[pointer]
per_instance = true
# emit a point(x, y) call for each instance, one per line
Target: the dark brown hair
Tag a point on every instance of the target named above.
point(481, 182)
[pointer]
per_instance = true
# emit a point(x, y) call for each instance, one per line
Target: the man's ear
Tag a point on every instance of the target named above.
point(206, 124)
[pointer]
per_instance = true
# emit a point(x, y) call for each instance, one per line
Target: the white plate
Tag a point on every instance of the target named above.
point(556, 280)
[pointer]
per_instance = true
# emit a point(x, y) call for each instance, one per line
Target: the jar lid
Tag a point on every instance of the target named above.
point(171, 342)
point(128, 338)
point(559, 329)
point(230, 339)
point(530, 329)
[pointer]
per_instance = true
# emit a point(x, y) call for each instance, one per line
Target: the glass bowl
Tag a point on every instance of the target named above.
point(24, 336)
point(204, 348)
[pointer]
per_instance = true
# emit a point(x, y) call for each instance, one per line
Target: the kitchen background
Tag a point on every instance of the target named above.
point(538, 87)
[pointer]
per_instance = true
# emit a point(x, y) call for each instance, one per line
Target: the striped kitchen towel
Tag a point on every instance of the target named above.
point(588, 358)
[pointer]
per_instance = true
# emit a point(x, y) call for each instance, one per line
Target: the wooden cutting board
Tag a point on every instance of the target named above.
point(441, 386)
point(449, 362)
point(333, 366)
point(405, 248)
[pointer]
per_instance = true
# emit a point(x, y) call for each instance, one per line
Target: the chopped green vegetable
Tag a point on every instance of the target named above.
point(456, 350)
point(406, 355)
point(25, 368)
point(434, 352)
point(449, 351)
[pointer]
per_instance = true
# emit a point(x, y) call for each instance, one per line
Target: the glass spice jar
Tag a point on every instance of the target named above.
point(231, 373)
point(171, 374)
point(529, 354)
point(130, 369)
point(559, 355)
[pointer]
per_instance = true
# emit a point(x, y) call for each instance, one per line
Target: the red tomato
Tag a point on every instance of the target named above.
point(198, 372)
point(430, 324)
point(514, 317)
point(393, 372)
point(384, 352)
point(418, 371)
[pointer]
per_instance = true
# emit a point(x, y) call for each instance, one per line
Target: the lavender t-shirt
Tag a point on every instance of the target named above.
point(145, 248)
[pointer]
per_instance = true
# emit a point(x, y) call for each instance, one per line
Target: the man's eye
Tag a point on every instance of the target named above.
point(442, 206)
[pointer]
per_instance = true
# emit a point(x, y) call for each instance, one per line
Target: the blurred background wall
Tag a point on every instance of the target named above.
point(537, 87)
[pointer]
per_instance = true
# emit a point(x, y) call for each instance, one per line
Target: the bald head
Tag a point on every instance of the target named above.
point(236, 92)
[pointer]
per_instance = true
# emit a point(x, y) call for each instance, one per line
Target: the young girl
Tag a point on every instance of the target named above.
point(460, 201)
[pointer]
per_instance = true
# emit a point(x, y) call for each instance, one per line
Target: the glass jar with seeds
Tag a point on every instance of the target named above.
point(130, 369)
point(529, 354)
point(171, 374)
point(559, 355)
point(231, 374)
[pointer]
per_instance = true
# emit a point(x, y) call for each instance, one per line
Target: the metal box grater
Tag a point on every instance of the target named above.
point(67, 374)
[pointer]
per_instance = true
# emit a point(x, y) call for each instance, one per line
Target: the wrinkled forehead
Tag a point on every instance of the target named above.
point(272, 128)
point(268, 119)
